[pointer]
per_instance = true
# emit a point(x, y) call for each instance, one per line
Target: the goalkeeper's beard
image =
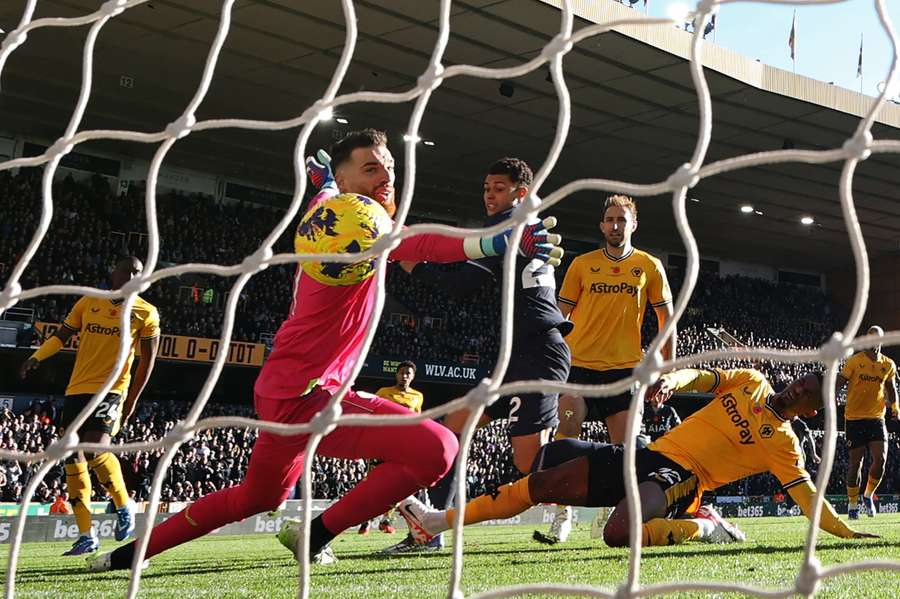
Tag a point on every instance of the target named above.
point(387, 200)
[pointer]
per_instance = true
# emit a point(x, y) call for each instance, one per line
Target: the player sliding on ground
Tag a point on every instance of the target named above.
point(744, 430)
point(315, 350)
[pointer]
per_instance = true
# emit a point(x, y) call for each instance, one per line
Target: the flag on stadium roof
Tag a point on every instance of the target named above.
point(792, 41)
point(859, 64)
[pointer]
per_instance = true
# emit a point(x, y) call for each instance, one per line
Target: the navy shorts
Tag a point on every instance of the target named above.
point(861, 432)
point(106, 417)
point(600, 408)
point(548, 359)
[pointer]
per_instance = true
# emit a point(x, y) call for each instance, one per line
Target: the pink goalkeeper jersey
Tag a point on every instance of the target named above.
point(321, 339)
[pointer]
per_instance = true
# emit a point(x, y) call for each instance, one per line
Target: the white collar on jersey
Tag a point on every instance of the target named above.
point(624, 256)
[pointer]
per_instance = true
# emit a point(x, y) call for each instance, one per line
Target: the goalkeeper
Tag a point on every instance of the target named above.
point(316, 348)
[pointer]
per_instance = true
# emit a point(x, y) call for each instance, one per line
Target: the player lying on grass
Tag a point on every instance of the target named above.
point(744, 430)
point(315, 350)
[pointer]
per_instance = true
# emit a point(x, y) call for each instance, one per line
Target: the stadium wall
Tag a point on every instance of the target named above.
point(883, 307)
point(63, 528)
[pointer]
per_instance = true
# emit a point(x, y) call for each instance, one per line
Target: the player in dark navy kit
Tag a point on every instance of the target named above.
point(807, 442)
point(538, 349)
point(659, 419)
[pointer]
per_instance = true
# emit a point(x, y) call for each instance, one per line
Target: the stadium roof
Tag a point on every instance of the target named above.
point(634, 118)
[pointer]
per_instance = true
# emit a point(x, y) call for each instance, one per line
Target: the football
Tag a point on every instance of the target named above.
point(348, 223)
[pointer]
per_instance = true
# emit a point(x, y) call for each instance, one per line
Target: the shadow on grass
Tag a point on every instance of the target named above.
point(364, 562)
point(741, 548)
point(175, 568)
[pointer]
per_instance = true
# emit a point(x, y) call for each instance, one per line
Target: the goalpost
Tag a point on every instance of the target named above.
point(857, 148)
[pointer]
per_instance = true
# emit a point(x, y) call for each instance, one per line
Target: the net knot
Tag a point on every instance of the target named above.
point(858, 146)
point(60, 147)
point(258, 260)
point(14, 39)
point(319, 110)
point(63, 447)
point(560, 44)
point(385, 243)
point(809, 577)
point(648, 369)
point(10, 294)
point(431, 78)
point(685, 176)
point(481, 395)
point(623, 592)
point(529, 204)
point(834, 349)
point(181, 127)
point(180, 433)
point(707, 6)
point(112, 8)
point(134, 287)
point(325, 421)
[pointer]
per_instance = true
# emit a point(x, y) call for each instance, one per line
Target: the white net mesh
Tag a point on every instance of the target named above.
point(857, 148)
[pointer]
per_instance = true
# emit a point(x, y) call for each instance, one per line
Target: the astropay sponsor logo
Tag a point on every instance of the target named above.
point(101, 330)
point(617, 288)
point(740, 423)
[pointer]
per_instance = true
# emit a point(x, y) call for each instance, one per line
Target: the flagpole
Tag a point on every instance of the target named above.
point(792, 42)
point(861, 76)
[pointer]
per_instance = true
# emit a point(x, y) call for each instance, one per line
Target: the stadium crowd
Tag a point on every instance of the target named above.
point(212, 460)
point(92, 225)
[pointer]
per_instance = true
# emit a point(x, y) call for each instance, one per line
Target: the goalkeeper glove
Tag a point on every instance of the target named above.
point(537, 242)
point(318, 169)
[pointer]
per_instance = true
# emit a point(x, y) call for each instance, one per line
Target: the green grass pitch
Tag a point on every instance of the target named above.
point(257, 566)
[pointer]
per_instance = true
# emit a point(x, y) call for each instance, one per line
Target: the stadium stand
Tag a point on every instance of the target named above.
point(91, 220)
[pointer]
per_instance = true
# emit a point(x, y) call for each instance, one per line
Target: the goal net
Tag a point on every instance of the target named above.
point(857, 148)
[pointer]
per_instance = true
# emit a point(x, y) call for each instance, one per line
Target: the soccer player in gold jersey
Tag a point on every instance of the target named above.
point(98, 323)
point(403, 394)
point(605, 294)
point(872, 387)
point(744, 430)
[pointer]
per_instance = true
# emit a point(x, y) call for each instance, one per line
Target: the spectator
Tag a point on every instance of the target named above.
point(60, 505)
